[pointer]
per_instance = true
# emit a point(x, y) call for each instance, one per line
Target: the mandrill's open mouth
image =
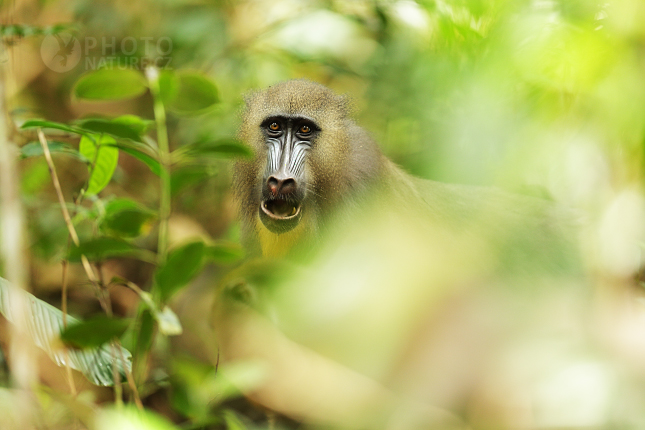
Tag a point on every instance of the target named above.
point(280, 209)
point(280, 215)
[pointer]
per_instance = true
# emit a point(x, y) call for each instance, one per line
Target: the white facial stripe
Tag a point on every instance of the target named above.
point(292, 160)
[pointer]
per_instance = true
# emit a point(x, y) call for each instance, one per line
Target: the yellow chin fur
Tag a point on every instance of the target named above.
point(278, 245)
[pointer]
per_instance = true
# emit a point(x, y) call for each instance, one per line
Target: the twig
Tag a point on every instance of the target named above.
point(61, 199)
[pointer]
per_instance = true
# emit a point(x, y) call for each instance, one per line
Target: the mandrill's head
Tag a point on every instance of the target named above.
point(306, 151)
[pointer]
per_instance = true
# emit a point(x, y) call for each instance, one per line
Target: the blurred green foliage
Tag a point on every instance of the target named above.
point(527, 95)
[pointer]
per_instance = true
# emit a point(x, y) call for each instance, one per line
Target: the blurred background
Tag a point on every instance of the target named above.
point(537, 97)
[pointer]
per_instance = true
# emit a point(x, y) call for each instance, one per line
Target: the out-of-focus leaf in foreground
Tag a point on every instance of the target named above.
point(110, 84)
point(44, 325)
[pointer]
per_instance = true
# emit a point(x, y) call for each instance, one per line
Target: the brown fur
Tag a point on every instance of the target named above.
point(344, 162)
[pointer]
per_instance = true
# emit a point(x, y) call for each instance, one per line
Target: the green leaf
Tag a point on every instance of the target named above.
point(110, 84)
point(136, 123)
point(103, 164)
point(168, 86)
point(225, 252)
point(125, 218)
point(101, 248)
point(196, 94)
point(182, 266)
point(94, 332)
point(33, 123)
point(138, 151)
point(45, 323)
point(35, 149)
point(222, 148)
point(111, 127)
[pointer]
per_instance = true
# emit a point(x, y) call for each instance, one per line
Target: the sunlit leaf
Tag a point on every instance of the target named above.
point(103, 164)
point(182, 265)
point(94, 332)
point(44, 325)
point(110, 84)
point(195, 94)
point(168, 86)
point(136, 123)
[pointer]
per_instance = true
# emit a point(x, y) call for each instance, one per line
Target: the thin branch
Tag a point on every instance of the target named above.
point(61, 199)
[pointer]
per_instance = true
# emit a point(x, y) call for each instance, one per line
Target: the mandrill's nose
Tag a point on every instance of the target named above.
point(281, 187)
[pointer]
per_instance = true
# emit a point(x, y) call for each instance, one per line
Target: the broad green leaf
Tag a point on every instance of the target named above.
point(35, 149)
point(182, 265)
point(136, 123)
point(222, 148)
point(103, 164)
point(111, 127)
point(101, 248)
point(125, 218)
point(110, 84)
point(33, 123)
point(44, 324)
point(195, 94)
point(225, 252)
point(168, 86)
point(94, 332)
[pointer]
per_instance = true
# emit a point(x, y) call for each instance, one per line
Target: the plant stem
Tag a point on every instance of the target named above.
point(152, 73)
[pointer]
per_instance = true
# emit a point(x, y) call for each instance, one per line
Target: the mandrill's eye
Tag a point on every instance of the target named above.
point(305, 129)
point(274, 126)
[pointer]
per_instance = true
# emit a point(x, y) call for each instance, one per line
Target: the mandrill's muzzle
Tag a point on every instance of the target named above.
point(281, 208)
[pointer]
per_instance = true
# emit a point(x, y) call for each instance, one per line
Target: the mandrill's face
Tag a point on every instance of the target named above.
point(288, 141)
point(296, 130)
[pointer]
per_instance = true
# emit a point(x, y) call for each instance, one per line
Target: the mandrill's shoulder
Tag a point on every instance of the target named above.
point(521, 230)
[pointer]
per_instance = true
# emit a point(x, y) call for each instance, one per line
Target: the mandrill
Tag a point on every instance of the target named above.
point(314, 165)
point(410, 285)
